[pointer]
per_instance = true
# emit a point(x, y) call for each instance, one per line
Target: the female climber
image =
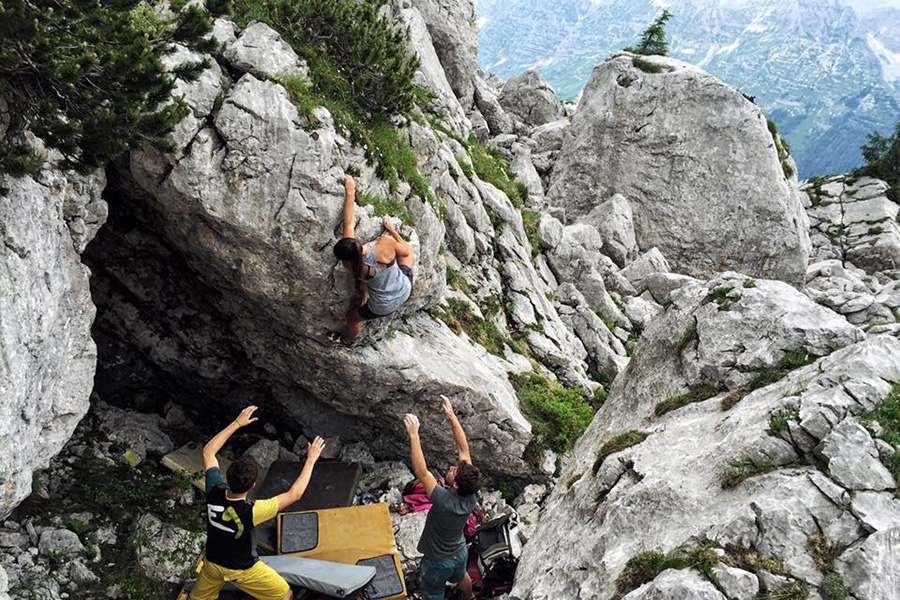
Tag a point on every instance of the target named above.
point(384, 269)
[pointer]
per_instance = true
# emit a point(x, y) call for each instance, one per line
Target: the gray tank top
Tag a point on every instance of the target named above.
point(389, 288)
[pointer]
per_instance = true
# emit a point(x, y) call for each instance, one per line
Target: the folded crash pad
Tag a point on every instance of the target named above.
point(332, 485)
point(332, 579)
point(355, 535)
point(189, 460)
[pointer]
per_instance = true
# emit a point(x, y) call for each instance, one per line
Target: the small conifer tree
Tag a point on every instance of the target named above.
point(882, 156)
point(373, 67)
point(653, 40)
point(86, 76)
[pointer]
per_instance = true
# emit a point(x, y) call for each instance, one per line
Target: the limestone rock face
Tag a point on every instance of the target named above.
point(47, 356)
point(454, 34)
point(695, 161)
point(853, 220)
point(672, 488)
point(261, 51)
point(250, 209)
point(433, 72)
point(530, 98)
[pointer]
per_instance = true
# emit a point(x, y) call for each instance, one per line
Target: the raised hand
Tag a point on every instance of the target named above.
point(349, 182)
point(412, 424)
point(246, 417)
point(447, 407)
point(388, 223)
point(314, 449)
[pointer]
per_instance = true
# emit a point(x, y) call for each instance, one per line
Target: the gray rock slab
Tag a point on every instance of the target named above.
point(260, 50)
point(872, 569)
point(853, 460)
point(673, 584)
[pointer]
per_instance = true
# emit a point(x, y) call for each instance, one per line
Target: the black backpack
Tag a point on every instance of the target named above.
point(497, 550)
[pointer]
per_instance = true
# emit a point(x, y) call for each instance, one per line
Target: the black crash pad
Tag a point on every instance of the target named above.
point(332, 485)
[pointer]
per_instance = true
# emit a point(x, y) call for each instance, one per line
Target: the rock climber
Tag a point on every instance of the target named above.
point(231, 519)
point(443, 543)
point(384, 269)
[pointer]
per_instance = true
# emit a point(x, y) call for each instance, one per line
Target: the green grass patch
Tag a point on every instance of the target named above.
point(779, 420)
point(460, 317)
point(397, 159)
point(689, 335)
point(464, 166)
point(645, 566)
point(791, 591)
point(617, 444)
point(724, 296)
point(457, 281)
point(493, 166)
point(751, 560)
point(745, 468)
point(646, 66)
point(793, 359)
point(749, 283)
point(558, 415)
point(833, 587)
point(530, 220)
point(887, 415)
point(697, 393)
point(385, 207)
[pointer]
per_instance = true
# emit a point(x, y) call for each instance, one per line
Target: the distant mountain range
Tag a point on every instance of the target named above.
point(826, 73)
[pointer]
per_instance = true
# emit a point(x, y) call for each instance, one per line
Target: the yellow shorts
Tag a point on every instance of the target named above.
point(260, 581)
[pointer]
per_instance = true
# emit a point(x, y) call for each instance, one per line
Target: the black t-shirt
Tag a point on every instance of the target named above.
point(230, 535)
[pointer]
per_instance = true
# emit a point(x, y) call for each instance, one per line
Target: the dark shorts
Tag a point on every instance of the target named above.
point(433, 574)
point(368, 315)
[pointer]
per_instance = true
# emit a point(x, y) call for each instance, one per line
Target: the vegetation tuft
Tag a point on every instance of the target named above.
point(783, 148)
point(724, 296)
point(87, 77)
point(779, 420)
point(833, 587)
point(697, 393)
point(792, 359)
point(493, 166)
point(460, 317)
point(617, 444)
point(887, 415)
point(385, 207)
point(559, 415)
point(530, 220)
point(646, 66)
point(745, 468)
point(645, 566)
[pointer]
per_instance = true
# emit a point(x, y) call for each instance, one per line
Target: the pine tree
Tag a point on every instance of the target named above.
point(86, 76)
point(355, 52)
point(653, 40)
point(882, 156)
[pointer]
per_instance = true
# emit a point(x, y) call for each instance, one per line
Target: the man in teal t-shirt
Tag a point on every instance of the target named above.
point(443, 542)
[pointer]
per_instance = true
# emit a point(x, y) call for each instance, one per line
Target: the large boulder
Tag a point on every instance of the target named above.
point(530, 98)
point(47, 356)
point(697, 164)
point(454, 34)
point(732, 479)
point(252, 206)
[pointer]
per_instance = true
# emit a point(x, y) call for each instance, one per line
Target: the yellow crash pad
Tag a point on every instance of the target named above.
point(351, 535)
